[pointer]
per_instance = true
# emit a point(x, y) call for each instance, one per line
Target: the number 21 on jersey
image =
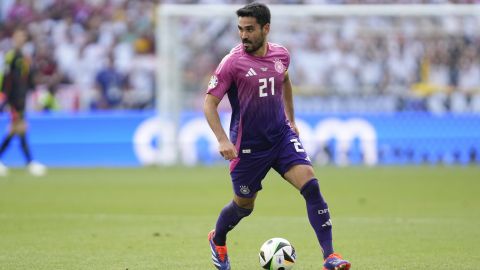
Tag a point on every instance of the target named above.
point(263, 88)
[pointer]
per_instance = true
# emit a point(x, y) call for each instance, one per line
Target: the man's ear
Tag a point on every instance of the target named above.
point(266, 28)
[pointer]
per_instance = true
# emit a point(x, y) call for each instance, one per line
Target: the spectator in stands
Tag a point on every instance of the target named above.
point(351, 56)
point(111, 85)
point(47, 75)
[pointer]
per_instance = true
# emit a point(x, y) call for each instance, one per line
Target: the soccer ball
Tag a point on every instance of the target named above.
point(277, 254)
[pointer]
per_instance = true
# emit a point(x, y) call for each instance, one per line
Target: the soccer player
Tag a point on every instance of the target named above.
point(17, 80)
point(263, 134)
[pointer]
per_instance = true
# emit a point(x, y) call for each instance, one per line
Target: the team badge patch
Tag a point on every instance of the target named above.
point(244, 190)
point(279, 67)
point(213, 82)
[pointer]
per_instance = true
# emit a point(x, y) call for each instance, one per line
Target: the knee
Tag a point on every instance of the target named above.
point(242, 202)
point(309, 172)
point(19, 127)
point(245, 204)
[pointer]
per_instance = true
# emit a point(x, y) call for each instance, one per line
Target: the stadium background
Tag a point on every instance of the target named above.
point(413, 81)
point(399, 94)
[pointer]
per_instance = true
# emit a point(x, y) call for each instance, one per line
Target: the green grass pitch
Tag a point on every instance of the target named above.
point(158, 218)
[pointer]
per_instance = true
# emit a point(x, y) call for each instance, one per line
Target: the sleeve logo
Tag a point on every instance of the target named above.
point(213, 82)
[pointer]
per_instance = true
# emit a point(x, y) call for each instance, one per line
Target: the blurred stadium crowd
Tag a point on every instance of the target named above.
point(100, 54)
point(93, 54)
point(362, 64)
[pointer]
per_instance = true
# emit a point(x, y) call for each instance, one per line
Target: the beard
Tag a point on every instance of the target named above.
point(253, 46)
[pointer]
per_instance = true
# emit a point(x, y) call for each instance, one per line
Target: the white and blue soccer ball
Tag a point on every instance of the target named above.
point(277, 254)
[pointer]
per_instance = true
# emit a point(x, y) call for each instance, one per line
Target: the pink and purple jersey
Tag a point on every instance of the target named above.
point(254, 86)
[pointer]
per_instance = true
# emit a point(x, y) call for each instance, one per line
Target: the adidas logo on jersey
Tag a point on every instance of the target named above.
point(250, 73)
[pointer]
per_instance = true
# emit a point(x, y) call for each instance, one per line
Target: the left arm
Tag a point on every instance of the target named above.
point(288, 101)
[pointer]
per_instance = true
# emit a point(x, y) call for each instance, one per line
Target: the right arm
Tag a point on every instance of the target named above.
point(225, 147)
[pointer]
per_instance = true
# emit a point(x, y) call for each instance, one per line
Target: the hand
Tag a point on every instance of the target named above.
point(293, 126)
point(227, 150)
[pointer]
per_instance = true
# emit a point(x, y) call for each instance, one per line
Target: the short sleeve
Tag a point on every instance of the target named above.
point(287, 59)
point(222, 79)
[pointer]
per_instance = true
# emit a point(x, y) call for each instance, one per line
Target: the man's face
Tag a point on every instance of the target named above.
point(19, 38)
point(251, 33)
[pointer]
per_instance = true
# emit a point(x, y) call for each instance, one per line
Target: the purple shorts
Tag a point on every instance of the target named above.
point(249, 169)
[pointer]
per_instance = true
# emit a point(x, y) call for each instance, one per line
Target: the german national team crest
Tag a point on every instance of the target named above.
point(244, 190)
point(279, 67)
point(213, 82)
